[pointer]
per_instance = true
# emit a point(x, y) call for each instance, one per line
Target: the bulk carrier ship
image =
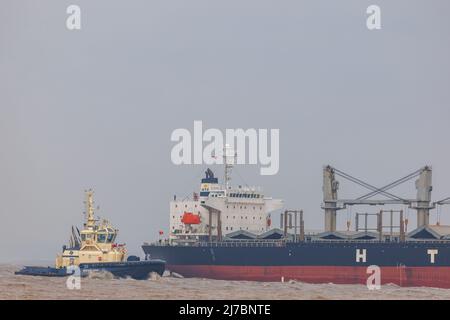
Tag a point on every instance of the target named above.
point(226, 233)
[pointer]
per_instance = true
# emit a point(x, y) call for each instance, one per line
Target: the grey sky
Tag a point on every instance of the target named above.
point(96, 107)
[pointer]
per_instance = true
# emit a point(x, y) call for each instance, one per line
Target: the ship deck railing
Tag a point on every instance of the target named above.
point(243, 243)
point(283, 242)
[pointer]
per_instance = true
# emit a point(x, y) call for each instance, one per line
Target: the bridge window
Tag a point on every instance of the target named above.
point(111, 237)
point(101, 237)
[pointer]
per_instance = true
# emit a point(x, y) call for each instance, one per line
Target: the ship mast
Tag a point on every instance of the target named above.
point(228, 158)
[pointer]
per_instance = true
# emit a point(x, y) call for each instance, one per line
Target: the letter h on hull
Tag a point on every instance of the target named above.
point(361, 255)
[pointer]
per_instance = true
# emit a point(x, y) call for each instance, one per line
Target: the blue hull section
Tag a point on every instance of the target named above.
point(43, 272)
point(139, 270)
point(423, 253)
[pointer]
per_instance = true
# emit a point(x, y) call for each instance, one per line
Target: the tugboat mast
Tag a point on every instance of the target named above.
point(90, 210)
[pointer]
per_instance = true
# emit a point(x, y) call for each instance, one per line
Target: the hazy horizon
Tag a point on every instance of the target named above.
point(95, 108)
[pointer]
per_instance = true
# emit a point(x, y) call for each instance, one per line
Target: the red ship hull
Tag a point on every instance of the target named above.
point(438, 277)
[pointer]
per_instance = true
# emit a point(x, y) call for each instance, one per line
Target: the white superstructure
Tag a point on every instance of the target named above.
point(219, 210)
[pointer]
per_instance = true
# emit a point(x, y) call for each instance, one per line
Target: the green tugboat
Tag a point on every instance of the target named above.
point(94, 249)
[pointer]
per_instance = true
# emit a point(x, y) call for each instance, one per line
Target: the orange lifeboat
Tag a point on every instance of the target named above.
point(190, 218)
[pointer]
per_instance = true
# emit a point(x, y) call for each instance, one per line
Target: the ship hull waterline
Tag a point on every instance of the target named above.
point(438, 277)
point(418, 264)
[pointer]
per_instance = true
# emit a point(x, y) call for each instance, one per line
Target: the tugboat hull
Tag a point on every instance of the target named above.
point(43, 272)
point(139, 270)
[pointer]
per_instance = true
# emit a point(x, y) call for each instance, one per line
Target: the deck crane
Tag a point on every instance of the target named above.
point(422, 202)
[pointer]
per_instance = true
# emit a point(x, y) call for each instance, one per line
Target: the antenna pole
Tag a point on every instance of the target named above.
point(90, 209)
point(229, 160)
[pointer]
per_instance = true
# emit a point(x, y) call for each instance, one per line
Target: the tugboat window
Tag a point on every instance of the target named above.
point(101, 237)
point(110, 237)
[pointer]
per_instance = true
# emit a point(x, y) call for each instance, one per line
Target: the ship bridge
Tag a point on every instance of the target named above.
point(221, 210)
point(106, 235)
